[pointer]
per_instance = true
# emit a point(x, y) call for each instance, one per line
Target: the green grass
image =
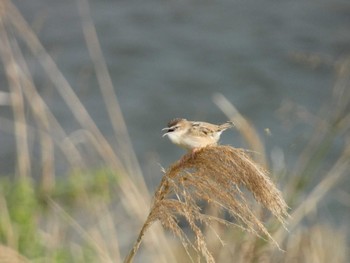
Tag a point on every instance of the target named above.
point(27, 210)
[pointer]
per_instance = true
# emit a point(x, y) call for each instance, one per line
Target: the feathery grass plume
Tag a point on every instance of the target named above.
point(213, 174)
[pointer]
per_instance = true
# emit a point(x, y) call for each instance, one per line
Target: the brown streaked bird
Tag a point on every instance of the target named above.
point(192, 135)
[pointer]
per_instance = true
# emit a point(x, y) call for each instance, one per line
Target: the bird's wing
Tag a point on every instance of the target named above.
point(202, 129)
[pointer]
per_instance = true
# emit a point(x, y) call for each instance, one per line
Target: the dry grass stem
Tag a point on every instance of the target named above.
point(244, 127)
point(65, 90)
point(9, 255)
point(310, 203)
point(109, 95)
point(313, 244)
point(82, 232)
point(13, 76)
point(135, 194)
point(215, 175)
point(41, 118)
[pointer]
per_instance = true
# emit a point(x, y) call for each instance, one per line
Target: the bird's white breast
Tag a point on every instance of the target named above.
point(175, 138)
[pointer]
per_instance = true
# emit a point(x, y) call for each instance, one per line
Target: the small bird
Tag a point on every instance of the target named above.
point(193, 135)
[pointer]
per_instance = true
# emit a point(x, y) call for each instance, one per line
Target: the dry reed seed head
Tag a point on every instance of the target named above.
point(231, 167)
point(215, 174)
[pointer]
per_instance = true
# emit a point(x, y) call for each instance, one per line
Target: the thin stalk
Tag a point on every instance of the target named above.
point(138, 241)
point(109, 94)
point(13, 76)
point(246, 129)
point(65, 90)
point(42, 119)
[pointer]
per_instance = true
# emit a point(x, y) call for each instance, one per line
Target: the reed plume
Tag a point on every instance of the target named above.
point(216, 175)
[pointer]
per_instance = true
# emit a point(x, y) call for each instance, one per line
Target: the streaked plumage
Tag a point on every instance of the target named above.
point(194, 134)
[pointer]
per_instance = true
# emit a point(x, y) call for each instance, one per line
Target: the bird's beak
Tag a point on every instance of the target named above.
point(167, 130)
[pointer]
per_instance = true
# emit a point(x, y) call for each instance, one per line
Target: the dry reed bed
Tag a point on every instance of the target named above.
point(213, 174)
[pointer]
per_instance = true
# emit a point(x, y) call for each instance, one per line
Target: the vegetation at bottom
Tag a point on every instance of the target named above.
point(26, 211)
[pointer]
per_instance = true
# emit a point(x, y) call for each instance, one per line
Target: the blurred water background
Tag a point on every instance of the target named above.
point(168, 58)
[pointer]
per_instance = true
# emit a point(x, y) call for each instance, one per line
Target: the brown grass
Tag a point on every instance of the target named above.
point(215, 175)
point(9, 255)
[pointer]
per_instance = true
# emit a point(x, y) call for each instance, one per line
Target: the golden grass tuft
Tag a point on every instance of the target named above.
point(216, 175)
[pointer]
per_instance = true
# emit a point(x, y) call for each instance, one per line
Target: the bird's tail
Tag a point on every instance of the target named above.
point(226, 125)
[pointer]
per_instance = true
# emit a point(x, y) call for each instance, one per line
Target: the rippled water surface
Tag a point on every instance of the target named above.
point(167, 59)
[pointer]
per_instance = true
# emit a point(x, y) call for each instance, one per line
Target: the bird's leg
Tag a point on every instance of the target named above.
point(193, 152)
